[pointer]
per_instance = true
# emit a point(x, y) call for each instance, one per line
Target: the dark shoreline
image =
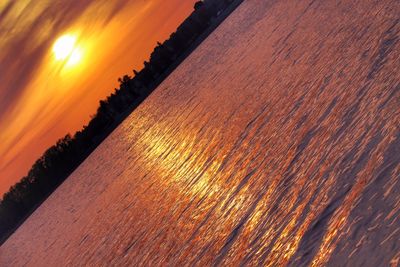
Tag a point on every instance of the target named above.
point(118, 119)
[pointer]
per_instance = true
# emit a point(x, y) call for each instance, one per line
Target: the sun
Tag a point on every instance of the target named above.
point(64, 46)
point(75, 57)
point(65, 49)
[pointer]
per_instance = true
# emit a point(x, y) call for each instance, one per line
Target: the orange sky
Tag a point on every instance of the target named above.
point(42, 99)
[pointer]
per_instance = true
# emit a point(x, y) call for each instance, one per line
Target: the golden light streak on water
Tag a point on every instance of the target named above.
point(276, 143)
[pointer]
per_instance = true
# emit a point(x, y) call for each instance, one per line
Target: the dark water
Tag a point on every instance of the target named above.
point(276, 143)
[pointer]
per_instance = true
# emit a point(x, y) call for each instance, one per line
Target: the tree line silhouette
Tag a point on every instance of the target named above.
point(60, 160)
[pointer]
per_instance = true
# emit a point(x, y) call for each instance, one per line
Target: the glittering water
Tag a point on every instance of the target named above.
point(277, 142)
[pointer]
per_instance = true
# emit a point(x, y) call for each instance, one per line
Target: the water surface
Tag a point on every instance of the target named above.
point(276, 142)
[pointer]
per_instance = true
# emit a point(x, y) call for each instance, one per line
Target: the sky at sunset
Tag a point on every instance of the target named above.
point(45, 94)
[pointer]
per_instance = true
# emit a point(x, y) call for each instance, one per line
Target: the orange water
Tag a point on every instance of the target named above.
point(276, 142)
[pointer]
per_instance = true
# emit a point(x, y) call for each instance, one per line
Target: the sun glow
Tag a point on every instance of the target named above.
point(75, 57)
point(64, 46)
point(65, 49)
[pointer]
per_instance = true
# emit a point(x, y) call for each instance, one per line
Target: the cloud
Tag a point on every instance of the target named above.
point(27, 31)
point(40, 100)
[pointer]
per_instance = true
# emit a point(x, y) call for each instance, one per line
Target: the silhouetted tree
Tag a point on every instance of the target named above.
point(198, 4)
point(60, 160)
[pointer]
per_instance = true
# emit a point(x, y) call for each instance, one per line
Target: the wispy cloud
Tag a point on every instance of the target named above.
point(27, 30)
point(38, 103)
